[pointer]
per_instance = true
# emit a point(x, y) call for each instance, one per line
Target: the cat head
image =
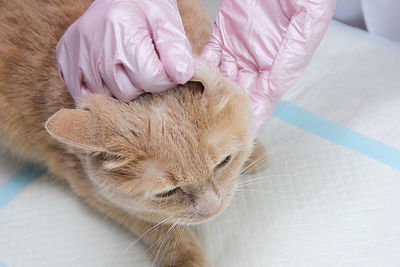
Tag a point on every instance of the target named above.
point(174, 154)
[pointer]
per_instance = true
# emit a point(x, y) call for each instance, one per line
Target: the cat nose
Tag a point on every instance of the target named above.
point(209, 204)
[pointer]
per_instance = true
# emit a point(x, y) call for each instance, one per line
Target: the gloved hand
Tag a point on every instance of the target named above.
point(125, 48)
point(265, 45)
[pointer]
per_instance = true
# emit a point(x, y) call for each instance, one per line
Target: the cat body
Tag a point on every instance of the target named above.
point(163, 160)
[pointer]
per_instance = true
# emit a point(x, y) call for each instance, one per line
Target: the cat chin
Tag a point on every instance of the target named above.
point(157, 216)
point(198, 220)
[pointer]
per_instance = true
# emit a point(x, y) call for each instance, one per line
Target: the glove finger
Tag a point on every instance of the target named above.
point(171, 43)
point(76, 73)
point(229, 68)
point(118, 82)
point(131, 67)
point(213, 52)
point(71, 74)
point(143, 65)
point(259, 101)
point(75, 83)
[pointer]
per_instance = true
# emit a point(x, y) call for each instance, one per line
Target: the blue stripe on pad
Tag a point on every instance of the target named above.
point(338, 134)
point(14, 185)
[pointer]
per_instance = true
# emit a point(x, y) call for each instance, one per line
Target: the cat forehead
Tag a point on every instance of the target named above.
point(221, 141)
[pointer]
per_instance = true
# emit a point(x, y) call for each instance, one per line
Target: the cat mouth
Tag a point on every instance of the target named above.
point(198, 218)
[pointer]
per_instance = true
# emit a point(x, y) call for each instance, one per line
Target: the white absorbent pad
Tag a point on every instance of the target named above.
point(330, 195)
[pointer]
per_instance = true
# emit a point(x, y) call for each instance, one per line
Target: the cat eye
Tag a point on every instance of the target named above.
point(223, 162)
point(168, 193)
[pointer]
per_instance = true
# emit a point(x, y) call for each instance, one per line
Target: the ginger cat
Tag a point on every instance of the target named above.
point(163, 160)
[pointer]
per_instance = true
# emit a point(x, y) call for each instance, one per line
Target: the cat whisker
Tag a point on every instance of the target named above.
point(163, 239)
point(262, 178)
point(250, 184)
point(152, 229)
point(253, 191)
point(278, 146)
point(265, 175)
point(246, 179)
point(286, 156)
point(176, 242)
point(172, 234)
point(255, 162)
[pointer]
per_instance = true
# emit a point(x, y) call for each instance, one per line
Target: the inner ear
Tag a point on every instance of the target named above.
point(196, 85)
point(75, 127)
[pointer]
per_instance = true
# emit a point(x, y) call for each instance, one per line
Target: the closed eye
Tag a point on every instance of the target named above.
point(223, 162)
point(168, 193)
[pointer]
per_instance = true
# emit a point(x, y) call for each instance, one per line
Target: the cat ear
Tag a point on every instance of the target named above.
point(75, 127)
point(206, 74)
point(217, 89)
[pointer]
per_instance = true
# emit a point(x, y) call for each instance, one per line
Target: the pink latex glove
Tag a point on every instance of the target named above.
point(264, 45)
point(124, 48)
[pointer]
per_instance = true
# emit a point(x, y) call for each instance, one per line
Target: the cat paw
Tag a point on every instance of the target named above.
point(258, 159)
point(189, 261)
point(186, 252)
point(188, 257)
